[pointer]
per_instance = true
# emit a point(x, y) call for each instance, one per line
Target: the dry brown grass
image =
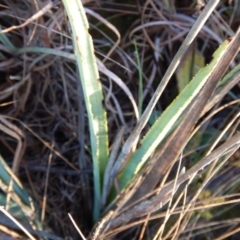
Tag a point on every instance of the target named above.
point(39, 95)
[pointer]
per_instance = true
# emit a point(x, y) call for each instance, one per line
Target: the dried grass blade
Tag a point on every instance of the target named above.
point(154, 203)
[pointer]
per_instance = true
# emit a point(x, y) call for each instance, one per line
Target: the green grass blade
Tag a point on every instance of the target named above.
point(140, 75)
point(5, 41)
point(20, 204)
point(229, 75)
point(86, 63)
point(51, 51)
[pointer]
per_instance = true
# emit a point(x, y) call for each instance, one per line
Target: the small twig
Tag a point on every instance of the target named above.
point(31, 19)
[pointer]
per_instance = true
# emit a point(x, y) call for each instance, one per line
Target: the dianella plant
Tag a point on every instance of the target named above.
point(131, 182)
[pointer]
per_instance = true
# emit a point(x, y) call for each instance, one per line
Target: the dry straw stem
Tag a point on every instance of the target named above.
point(222, 90)
point(17, 223)
point(76, 226)
point(113, 155)
point(200, 205)
point(155, 202)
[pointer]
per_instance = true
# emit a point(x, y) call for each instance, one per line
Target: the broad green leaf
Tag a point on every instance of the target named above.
point(89, 76)
point(168, 118)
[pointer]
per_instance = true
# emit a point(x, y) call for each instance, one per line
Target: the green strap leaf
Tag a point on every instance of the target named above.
point(169, 118)
point(86, 63)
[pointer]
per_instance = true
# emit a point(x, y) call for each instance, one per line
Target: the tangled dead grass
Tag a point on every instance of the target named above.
point(41, 99)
